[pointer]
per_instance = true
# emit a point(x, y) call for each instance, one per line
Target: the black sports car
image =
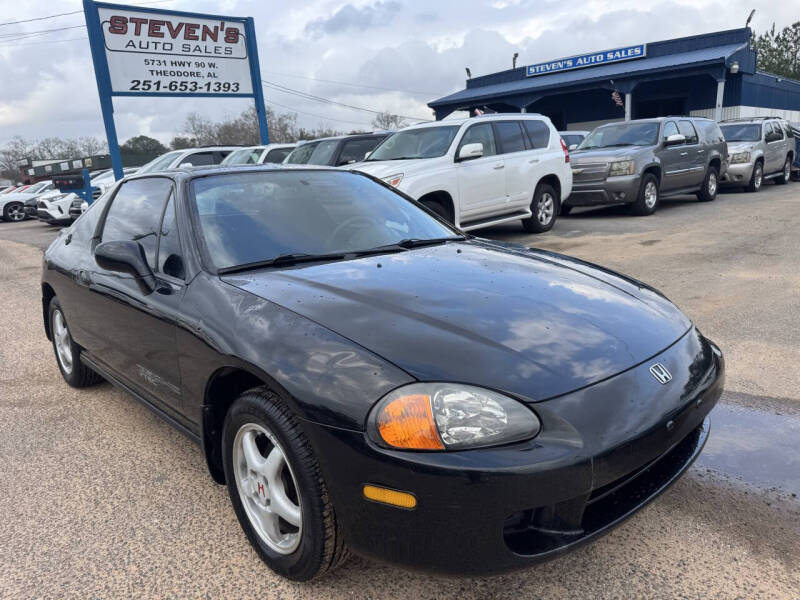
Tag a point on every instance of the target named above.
point(361, 375)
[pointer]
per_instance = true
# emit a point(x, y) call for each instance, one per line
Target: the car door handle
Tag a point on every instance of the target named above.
point(533, 160)
point(700, 151)
point(684, 153)
point(496, 167)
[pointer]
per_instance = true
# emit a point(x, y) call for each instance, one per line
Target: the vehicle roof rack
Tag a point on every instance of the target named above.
point(739, 119)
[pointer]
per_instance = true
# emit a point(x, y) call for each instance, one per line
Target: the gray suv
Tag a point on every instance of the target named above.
point(639, 162)
point(759, 148)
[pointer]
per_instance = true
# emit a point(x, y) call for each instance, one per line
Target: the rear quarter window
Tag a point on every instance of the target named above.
point(539, 134)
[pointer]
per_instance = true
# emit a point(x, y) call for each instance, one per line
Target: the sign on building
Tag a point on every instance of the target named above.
point(140, 51)
point(591, 59)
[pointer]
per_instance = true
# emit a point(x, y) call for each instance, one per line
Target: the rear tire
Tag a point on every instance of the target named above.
point(544, 207)
point(68, 353)
point(757, 178)
point(14, 211)
point(648, 198)
point(313, 545)
point(708, 192)
point(786, 174)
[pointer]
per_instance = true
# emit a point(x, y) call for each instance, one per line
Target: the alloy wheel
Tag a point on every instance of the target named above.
point(650, 194)
point(787, 170)
point(16, 212)
point(712, 184)
point(267, 488)
point(758, 176)
point(62, 341)
point(545, 209)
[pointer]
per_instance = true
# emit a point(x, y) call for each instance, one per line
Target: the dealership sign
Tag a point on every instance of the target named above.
point(587, 60)
point(139, 51)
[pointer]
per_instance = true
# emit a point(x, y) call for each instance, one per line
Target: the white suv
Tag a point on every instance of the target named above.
point(479, 171)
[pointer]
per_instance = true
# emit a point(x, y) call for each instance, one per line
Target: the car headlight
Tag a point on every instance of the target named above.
point(394, 180)
point(449, 416)
point(622, 167)
point(739, 157)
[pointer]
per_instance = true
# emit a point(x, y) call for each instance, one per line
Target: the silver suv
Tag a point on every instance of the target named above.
point(759, 148)
point(638, 162)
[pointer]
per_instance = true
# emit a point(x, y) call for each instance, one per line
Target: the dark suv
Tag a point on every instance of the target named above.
point(639, 162)
point(336, 151)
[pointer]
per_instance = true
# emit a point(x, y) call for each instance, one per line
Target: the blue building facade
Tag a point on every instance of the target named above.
point(712, 75)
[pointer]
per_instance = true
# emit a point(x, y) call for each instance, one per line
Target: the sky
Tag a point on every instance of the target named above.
point(393, 55)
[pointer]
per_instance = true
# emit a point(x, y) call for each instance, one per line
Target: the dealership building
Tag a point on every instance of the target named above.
point(712, 75)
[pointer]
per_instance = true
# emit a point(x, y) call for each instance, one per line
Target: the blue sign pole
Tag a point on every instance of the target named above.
point(255, 74)
point(103, 83)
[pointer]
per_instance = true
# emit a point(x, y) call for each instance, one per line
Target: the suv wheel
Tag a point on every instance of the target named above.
point(786, 175)
point(708, 192)
point(68, 353)
point(757, 178)
point(14, 211)
point(544, 208)
point(277, 489)
point(647, 201)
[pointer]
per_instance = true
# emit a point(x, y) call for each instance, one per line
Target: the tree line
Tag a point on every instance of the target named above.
point(197, 130)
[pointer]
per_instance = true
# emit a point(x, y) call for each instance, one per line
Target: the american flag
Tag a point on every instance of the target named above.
point(617, 98)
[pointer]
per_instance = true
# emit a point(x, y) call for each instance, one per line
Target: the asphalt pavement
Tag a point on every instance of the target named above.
point(101, 499)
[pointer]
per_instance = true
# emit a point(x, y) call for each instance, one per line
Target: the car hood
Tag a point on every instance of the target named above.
point(530, 323)
point(734, 147)
point(605, 154)
point(386, 168)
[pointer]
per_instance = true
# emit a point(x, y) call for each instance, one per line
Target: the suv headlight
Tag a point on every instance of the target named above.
point(394, 180)
point(739, 157)
point(449, 416)
point(622, 167)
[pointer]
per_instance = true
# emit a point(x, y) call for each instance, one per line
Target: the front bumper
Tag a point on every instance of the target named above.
point(613, 190)
point(603, 453)
point(738, 174)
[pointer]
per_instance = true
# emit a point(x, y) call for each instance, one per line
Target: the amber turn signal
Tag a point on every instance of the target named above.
point(387, 496)
point(407, 422)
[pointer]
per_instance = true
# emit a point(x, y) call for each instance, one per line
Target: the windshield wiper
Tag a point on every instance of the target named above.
point(282, 260)
point(408, 243)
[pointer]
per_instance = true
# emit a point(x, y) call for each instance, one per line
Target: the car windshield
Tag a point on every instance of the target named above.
point(425, 142)
point(159, 163)
point(741, 133)
point(254, 217)
point(621, 134)
point(313, 153)
point(245, 156)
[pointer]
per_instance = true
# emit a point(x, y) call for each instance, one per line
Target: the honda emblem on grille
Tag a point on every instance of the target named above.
point(661, 373)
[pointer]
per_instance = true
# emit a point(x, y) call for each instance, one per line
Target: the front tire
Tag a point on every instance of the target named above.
point(708, 192)
point(544, 208)
point(14, 211)
point(277, 489)
point(757, 178)
point(68, 353)
point(786, 174)
point(647, 200)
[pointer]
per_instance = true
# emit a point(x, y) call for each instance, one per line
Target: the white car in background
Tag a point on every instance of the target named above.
point(479, 171)
point(53, 207)
point(258, 155)
point(188, 157)
point(12, 205)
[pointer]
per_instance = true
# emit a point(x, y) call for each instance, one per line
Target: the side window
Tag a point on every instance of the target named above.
point(777, 131)
point(670, 129)
point(687, 130)
point(539, 133)
point(788, 129)
point(199, 159)
point(170, 257)
point(480, 134)
point(767, 132)
point(136, 212)
point(510, 134)
point(354, 150)
point(277, 155)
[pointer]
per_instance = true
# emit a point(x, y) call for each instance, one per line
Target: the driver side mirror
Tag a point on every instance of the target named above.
point(675, 139)
point(126, 257)
point(470, 151)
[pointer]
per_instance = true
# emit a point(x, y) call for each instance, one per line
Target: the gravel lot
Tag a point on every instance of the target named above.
point(102, 499)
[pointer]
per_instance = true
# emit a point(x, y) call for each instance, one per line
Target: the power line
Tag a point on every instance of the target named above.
point(358, 85)
point(291, 108)
point(288, 90)
point(73, 12)
point(45, 42)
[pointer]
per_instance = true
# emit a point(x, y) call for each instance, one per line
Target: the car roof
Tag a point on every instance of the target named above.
point(344, 137)
point(462, 120)
point(206, 170)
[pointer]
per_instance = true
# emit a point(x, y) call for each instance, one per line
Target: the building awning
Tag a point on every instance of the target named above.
point(523, 91)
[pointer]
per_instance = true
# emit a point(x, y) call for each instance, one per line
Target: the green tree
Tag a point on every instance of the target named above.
point(779, 51)
point(142, 144)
